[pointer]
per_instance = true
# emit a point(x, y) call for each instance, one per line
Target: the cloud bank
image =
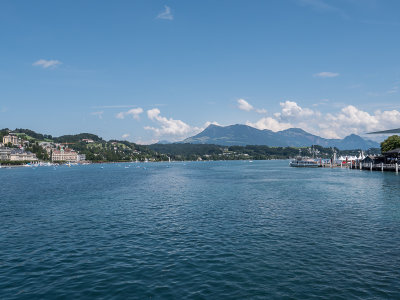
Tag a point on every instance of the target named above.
point(169, 127)
point(172, 129)
point(348, 120)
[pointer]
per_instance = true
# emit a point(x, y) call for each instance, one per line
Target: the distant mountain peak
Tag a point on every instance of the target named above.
point(213, 125)
point(294, 129)
point(241, 135)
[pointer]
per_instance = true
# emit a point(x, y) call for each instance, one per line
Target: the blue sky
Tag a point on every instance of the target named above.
point(156, 70)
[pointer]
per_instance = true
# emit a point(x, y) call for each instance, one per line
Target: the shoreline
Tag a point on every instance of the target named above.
point(129, 162)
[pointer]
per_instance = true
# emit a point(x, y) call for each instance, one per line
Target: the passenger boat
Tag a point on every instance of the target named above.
point(304, 163)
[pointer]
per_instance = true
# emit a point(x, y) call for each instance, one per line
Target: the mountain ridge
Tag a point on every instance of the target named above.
point(241, 135)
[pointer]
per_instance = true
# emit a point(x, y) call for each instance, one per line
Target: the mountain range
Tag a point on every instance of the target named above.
point(241, 135)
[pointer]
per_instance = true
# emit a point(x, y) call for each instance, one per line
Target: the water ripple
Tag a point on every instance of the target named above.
point(198, 231)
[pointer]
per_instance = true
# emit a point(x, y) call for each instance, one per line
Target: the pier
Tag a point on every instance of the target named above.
point(376, 167)
point(356, 165)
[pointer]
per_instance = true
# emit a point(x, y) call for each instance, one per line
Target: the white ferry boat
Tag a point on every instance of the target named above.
point(304, 163)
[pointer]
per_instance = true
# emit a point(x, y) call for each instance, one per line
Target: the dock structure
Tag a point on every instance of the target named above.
point(388, 162)
point(376, 167)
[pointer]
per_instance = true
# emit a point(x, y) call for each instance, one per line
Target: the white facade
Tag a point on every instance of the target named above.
point(64, 155)
point(13, 139)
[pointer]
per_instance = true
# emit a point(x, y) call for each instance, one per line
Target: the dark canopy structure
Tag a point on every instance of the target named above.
point(386, 131)
point(392, 156)
point(394, 152)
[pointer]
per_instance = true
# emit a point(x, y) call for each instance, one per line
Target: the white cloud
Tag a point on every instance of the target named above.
point(171, 129)
point(125, 136)
point(141, 141)
point(206, 124)
point(244, 105)
point(290, 111)
point(261, 110)
point(98, 114)
point(153, 113)
point(134, 112)
point(169, 126)
point(166, 14)
point(326, 74)
point(46, 63)
point(270, 124)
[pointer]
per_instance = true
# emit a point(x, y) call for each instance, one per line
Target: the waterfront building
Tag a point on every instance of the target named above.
point(392, 156)
point(21, 155)
point(47, 146)
point(11, 138)
point(64, 155)
point(5, 153)
point(81, 157)
point(8, 154)
point(369, 159)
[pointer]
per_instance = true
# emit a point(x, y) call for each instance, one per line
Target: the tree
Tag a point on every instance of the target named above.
point(392, 142)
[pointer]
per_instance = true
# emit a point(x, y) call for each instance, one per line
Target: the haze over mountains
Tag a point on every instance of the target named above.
point(242, 135)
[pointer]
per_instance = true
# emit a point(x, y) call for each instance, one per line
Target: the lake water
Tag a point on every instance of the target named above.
point(199, 230)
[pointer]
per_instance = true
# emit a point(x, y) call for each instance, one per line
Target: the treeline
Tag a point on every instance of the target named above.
point(74, 138)
point(254, 152)
point(33, 134)
point(215, 152)
point(3, 132)
point(114, 150)
point(38, 150)
point(99, 150)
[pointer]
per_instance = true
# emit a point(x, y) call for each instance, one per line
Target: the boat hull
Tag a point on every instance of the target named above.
point(303, 165)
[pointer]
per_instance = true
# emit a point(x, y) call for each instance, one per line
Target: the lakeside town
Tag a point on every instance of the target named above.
point(23, 147)
point(14, 149)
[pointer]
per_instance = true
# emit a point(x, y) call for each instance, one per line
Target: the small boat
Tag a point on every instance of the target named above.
point(301, 162)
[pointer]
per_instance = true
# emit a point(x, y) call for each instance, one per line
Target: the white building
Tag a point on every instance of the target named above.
point(11, 138)
point(64, 155)
point(21, 155)
point(5, 153)
point(81, 157)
